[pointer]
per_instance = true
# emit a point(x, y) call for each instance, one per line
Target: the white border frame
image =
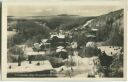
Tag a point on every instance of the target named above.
point(4, 52)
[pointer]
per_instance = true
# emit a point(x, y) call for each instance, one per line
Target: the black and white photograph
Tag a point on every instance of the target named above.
point(68, 39)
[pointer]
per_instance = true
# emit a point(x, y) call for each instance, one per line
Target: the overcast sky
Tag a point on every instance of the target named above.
point(55, 7)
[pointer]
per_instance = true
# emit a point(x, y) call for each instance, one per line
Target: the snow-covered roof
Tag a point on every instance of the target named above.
point(59, 36)
point(44, 40)
point(60, 48)
point(35, 53)
point(52, 36)
point(94, 29)
point(90, 36)
point(91, 44)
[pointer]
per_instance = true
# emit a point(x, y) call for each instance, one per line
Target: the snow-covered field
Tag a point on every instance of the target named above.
point(109, 49)
point(26, 67)
point(83, 66)
point(10, 33)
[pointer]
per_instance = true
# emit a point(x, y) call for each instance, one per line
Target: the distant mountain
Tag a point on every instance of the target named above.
point(66, 15)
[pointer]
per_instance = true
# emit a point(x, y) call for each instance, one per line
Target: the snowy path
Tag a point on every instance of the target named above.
point(83, 67)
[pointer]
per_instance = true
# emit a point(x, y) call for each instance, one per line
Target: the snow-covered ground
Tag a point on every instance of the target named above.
point(11, 34)
point(83, 67)
point(26, 67)
point(109, 49)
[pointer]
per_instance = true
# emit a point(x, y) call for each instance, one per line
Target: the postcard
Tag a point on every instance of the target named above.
point(64, 39)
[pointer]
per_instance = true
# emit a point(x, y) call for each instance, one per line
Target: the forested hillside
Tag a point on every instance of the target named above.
point(110, 27)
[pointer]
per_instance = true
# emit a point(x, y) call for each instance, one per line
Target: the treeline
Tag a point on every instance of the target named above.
point(110, 28)
point(33, 30)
